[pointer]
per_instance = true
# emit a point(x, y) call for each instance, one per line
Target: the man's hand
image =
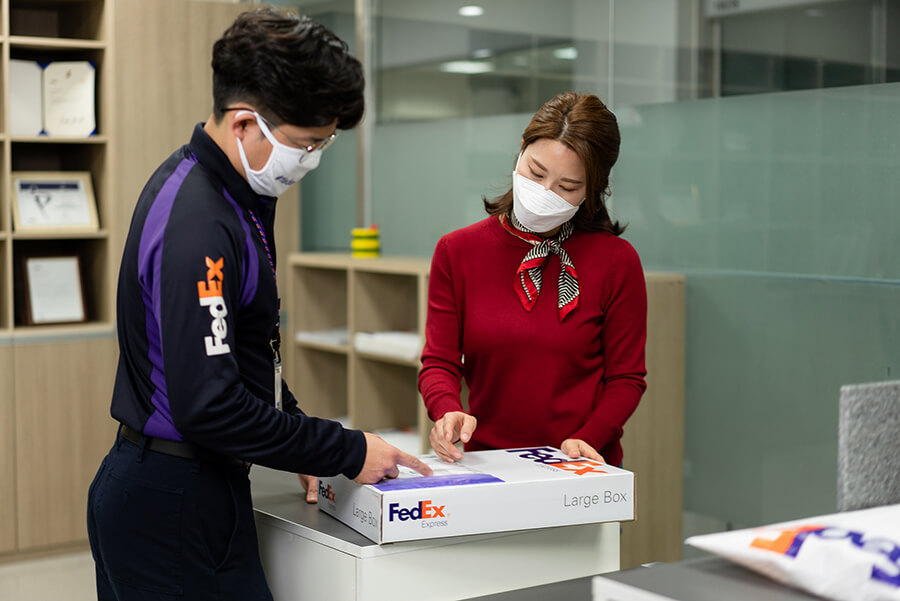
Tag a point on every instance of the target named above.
point(447, 431)
point(575, 448)
point(311, 486)
point(382, 460)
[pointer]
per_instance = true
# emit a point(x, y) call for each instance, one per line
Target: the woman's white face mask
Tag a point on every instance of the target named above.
point(537, 208)
point(286, 165)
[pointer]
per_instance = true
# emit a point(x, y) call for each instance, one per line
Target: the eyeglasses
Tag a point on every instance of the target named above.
point(320, 145)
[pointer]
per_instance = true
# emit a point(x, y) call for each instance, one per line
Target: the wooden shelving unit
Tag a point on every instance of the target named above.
point(45, 31)
point(54, 379)
point(335, 297)
point(331, 291)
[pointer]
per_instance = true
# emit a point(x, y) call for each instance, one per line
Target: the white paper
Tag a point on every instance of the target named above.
point(54, 288)
point(402, 345)
point(52, 203)
point(25, 98)
point(335, 336)
point(69, 99)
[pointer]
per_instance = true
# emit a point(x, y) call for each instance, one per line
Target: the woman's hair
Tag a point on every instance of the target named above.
point(584, 124)
point(291, 69)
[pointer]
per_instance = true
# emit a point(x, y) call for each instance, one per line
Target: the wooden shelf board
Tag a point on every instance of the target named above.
point(388, 359)
point(320, 260)
point(386, 264)
point(58, 140)
point(38, 333)
point(411, 266)
point(341, 349)
point(35, 42)
point(98, 235)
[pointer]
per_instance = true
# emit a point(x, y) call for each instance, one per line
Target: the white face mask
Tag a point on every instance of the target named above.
point(286, 165)
point(537, 208)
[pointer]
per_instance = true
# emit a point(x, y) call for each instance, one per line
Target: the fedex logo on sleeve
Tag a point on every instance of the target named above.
point(210, 294)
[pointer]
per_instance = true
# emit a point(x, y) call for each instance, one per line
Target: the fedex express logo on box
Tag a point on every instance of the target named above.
point(326, 492)
point(789, 541)
point(423, 510)
point(550, 457)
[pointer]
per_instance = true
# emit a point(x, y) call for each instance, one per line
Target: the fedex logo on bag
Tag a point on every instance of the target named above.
point(550, 457)
point(210, 295)
point(789, 541)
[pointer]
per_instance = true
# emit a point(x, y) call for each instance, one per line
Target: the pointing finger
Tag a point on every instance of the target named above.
point(414, 463)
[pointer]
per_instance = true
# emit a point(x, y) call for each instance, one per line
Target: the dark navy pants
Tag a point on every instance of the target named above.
point(164, 527)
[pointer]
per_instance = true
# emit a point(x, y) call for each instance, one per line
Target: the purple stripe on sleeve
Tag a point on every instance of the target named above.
point(250, 278)
point(149, 265)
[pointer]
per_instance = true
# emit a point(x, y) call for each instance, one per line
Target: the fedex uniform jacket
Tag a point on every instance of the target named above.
point(196, 310)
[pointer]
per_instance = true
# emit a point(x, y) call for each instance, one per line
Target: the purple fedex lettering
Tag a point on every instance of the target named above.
point(423, 510)
point(791, 541)
point(538, 455)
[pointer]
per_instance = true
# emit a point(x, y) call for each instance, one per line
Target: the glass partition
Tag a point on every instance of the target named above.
point(778, 204)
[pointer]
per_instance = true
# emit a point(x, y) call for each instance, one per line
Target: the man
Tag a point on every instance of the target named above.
point(198, 389)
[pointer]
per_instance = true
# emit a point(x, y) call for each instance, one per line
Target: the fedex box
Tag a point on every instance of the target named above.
point(487, 491)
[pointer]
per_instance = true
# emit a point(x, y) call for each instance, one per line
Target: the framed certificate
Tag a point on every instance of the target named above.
point(53, 290)
point(53, 202)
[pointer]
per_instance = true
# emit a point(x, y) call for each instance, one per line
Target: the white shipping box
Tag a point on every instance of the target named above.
point(488, 491)
point(25, 98)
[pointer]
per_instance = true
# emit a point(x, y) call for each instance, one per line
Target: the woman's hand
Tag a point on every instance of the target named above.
point(311, 486)
point(575, 448)
point(453, 427)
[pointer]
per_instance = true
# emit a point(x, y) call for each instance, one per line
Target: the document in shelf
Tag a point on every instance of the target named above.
point(54, 290)
point(335, 336)
point(69, 110)
point(25, 98)
point(402, 345)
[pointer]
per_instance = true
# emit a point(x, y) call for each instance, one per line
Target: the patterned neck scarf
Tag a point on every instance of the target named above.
point(528, 275)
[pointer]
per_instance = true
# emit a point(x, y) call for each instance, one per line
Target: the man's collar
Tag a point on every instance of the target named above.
point(216, 161)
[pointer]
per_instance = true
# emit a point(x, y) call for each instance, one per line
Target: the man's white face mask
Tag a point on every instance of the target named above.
point(286, 165)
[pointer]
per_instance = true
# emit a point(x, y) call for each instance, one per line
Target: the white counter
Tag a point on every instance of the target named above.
point(310, 555)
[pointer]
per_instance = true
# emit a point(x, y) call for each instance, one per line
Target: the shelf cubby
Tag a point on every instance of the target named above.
point(93, 257)
point(322, 293)
point(384, 394)
point(68, 19)
point(333, 379)
point(320, 382)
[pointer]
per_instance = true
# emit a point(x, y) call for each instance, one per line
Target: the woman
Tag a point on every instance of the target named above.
point(542, 306)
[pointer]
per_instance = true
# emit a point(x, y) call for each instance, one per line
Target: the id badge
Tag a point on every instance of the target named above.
point(278, 384)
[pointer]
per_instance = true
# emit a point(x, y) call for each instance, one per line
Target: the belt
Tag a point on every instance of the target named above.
point(175, 448)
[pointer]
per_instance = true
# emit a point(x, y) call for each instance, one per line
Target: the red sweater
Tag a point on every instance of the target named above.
point(533, 380)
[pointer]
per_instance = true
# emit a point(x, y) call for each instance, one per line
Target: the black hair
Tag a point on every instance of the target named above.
point(289, 68)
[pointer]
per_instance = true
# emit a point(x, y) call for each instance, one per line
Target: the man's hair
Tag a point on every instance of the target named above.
point(290, 68)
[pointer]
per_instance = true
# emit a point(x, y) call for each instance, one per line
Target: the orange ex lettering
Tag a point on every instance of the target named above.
point(582, 467)
point(210, 296)
point(786, 540)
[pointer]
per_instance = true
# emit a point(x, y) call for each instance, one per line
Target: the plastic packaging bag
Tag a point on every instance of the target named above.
point(852, 556)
